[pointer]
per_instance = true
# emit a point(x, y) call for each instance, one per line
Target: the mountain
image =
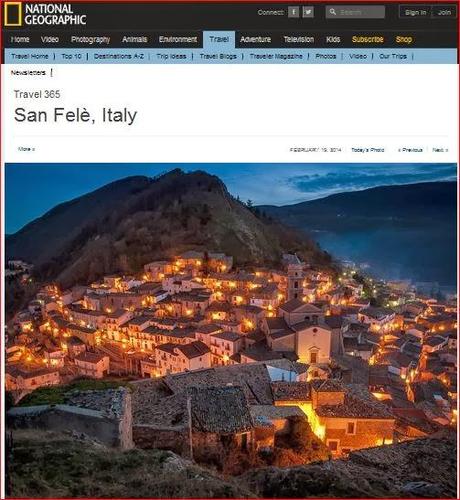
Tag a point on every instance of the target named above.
point(125, 224)
point(406, 231)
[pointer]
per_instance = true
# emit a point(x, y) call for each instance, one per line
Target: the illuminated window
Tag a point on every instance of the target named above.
point(350, 428)
point(333, 445)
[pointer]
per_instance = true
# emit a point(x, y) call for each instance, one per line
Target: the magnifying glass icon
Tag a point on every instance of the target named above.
point(332, 11)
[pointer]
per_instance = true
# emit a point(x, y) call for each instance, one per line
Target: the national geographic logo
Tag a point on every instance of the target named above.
point(12, 14)
point(41, 14)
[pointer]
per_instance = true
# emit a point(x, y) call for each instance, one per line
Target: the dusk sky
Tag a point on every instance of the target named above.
point(33, 189)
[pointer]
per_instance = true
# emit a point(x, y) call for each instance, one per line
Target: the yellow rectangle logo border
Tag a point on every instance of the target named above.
point(5, 13)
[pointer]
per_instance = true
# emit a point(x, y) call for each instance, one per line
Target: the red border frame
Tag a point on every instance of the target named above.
point(252, 1)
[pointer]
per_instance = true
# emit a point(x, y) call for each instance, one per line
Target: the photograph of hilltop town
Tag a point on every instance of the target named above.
point(231, 330)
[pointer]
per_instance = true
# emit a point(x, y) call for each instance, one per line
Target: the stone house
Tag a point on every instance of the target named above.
point(156, 271)
point(190, 259)
point(90, 336)
point(86, 317)
point(112, 281)
point(379, 319)
point(54, 357)
point(434, 343)
point(440, 322)
point(221, 420)
point(114, 320)
point(192, 303)
point(26, 378)
point(295, 311)
point(92, 301)
point(417, 330)
point(219, 262)
point(180, 283)
point(176, 336)
point(75, 346)
point(145, 339)
point(266, 297)
point(250, 317)
point(205, 332)
point(177, 358)
point(223, 346)
point(279, 417)
point(91, 364)
point(350, 418)
point(218, 311)
point(200, 422)
point(122, 300)
point(344, 417)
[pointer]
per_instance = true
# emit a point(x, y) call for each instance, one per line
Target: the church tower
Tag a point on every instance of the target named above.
point(295, 279)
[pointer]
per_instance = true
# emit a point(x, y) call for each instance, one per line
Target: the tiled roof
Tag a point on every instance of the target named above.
point(118, 313)
point(16, 370)
point(303, 325)
point(253, 378)
point(90, 357)
point(358, 403)
point(294, 304)
point(220, 409)
point(336, 321)
point(75, 341)
point(416, 418)
point(328, 385)
point(138, 320)
point(276, 323)
point(219, 307)
point(376, 312)
point(356, 369)
point(435, 341)
point(287, 364)
point(230, 336)
point(249, 309)
point(256, 335)
point(260, 352)
point(180, 333)
point(291, 391)
point(281, 334)
point(209, 328)
point(194, 349)
point(190, 351)
point(79, 328)
point(271, 412)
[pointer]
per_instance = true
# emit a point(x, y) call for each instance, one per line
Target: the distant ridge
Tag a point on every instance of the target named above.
point(406, 231)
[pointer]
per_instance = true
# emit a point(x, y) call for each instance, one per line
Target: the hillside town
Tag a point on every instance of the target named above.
point(239, 354)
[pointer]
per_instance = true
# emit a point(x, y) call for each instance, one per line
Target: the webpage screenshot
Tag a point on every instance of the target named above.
point(229, 241)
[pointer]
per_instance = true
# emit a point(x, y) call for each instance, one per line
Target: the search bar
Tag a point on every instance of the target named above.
point(355, 11)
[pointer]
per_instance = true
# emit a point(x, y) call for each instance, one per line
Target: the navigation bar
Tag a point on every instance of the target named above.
point(224, 56)
point(350, 38)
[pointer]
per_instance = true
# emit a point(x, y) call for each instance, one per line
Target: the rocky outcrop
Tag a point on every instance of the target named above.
point(424, 468)
point(48, 464)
